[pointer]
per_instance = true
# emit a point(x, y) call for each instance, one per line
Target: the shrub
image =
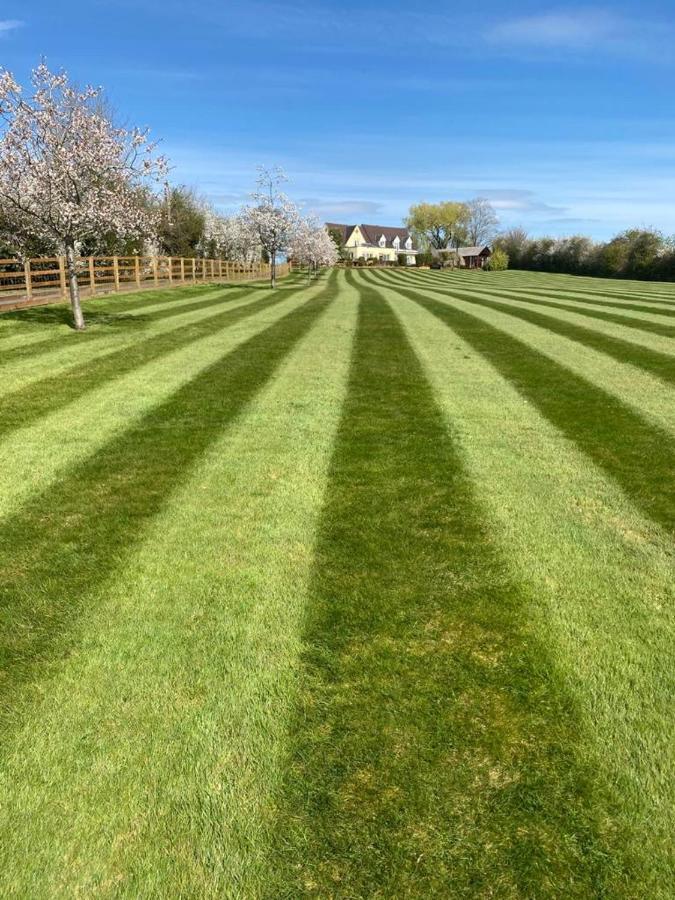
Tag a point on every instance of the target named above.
point(498, 261)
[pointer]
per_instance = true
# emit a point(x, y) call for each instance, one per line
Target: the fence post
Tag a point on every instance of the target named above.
point(194, 269)
point(168, 259)
point(92, 276)
point(29, 280)
point(62, 277)
point(204, 275)
point(137, 271)
point(182, 269)
point(155, 277)
point(116, 273)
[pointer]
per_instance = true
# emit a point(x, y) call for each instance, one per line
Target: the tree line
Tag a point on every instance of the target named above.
point(640, 253)
point(74, 183)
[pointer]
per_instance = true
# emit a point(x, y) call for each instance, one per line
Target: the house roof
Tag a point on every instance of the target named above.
point(343, 230)
point(472, 251)
point(373, 233)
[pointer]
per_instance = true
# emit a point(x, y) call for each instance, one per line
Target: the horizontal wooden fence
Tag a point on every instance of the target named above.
point(35, 281)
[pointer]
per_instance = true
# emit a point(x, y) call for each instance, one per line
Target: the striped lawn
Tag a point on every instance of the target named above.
point(361, 588)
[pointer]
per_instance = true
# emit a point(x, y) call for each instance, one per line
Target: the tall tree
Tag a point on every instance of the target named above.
point(67, 174)
point(481, 221)
point(273, 218)
point(230, 237)
point(514, 243)
point(312, 246)
point(441, 225)
point(180, 229)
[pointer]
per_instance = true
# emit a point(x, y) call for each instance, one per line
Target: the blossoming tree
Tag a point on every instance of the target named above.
point(273, 218)
point(230, 237)
point(311, 245)
point(67, 173)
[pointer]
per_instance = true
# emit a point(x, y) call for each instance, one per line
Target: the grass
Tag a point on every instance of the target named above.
point(357, 589)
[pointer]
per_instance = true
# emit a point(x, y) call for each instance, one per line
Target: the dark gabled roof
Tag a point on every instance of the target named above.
point(343, 230)
point(373, 233)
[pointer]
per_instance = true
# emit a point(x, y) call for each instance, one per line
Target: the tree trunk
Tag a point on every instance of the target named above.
point(78, 318)
point(273, 269)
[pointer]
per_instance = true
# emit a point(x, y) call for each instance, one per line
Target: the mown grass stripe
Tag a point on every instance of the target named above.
point(103, 325)
point(659, 364)
point(640, 324)
point(637, 454)
point(35, 455)
point(564, 289)
point(36, 399)
point(525, 289)
point(598, 286)
point(149, 760)
point(434, 752)
point(600, 572)
point(70, 538)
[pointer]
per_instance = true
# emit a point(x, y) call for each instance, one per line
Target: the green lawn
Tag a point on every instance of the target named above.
point(354, 589)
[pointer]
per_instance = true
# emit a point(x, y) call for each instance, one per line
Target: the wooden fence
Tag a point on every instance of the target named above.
point(43, 280)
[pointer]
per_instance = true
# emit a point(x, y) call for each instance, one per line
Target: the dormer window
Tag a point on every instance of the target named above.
point(397, 242)
point(383, 241)
point(408, 243)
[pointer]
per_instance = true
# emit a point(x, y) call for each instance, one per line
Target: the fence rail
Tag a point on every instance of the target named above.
point(42, 280)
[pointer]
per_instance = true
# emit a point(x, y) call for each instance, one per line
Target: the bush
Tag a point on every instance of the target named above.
point(498, 261)
point(424, 259)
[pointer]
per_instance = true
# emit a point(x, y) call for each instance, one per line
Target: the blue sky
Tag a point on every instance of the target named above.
point(562, 115)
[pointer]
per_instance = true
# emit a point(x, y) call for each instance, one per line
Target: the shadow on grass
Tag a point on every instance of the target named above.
point(433, 753)
point(629, 321)
point(545, 294)
point(661, 298)
point(38, 398)
point(114, 303)
point(659, 364)
point(67, 541)
point(636, 454)
point(123, 319)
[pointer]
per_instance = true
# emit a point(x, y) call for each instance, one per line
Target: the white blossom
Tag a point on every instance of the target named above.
point(311, 245)
point(273, 218)
point(68, 174)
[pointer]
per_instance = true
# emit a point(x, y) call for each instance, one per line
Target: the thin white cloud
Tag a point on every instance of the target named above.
point(575, 29)
point(333, 208)
point(7, 25)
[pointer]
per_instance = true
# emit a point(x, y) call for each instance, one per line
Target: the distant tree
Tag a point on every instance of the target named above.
point(181, 223)
point(514, 243)
point(481, 222)
point(337, 238)
point(440, 225)
point(273, 218)
point(573, 254)
point(498, 261)
point(645, 247)
point(311, 245)
point(67, 174)
point(229, 237)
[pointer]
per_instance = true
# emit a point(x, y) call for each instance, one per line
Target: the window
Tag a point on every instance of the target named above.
point(383, 241)
point(408, 243)
point(397, 242)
